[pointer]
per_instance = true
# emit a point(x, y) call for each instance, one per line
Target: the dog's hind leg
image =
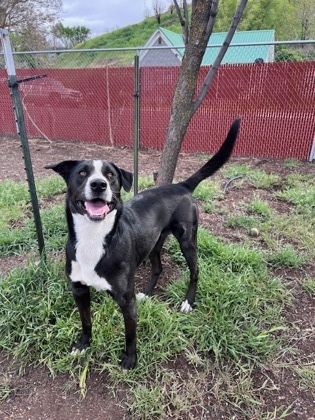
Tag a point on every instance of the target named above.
point(190, 254)
point(188, 247)
point(156, 267)
point(81, 296)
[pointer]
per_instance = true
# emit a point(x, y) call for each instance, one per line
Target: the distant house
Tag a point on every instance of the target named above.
point(238, 54)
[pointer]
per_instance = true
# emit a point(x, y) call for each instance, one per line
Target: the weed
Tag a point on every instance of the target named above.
point(231, 170)
point(12, 192)
point(295, 228)
point(14, 199)
point(291, 163)
point(258, 177)
point(143, 183)
point(261, 179)
point(207, 191)
point(23, 238)
point(260, 208)
point(245, 222)
point(147, 401)
point(298, 180)
point(307, 374)
point(54, 227)
point(309, 285)
point(6, 390)
point(302, 195)
point(287, 257)
point(17, 230)
point(50, 186)
point(209, 208)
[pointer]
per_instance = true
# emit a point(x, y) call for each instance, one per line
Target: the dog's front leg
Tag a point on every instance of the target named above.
point(81, 296)
point(128, 308)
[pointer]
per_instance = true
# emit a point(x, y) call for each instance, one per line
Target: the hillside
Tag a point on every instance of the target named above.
point(130, 36)
point(255, 17)
point(133, 35)
point(280, 15)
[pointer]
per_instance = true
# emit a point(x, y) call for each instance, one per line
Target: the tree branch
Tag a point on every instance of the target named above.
point(186, 12)
point(183, 20)
point(212, 18)
point(212, 72)
point(179, 13)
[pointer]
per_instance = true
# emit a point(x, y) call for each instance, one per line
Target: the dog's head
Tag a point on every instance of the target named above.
point(93, 186)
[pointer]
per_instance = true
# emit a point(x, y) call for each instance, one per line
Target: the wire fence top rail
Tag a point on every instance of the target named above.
point(162, 47)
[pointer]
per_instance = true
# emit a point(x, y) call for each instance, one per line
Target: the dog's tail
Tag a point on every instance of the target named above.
point(217, 160)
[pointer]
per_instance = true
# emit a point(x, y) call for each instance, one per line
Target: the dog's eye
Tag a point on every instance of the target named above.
point(110, 175)
point(82, 173)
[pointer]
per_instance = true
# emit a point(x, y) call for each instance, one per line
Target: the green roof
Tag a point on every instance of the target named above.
point(174, 39)
point(238, 54)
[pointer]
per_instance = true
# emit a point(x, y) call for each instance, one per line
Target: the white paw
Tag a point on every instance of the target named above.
point(141, 296)
point(186, 307)
point(77, 352)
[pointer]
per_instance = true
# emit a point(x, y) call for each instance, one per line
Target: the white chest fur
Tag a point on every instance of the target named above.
point(89, 250)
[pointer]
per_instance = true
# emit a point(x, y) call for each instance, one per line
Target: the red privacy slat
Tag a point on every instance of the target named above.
point(275, 101)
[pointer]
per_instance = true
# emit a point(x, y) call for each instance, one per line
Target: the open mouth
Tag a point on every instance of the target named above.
point(96, 209)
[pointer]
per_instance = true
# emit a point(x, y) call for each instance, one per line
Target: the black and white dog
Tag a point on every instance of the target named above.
point(107, 240)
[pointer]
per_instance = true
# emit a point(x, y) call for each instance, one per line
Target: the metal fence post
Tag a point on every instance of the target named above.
point(21, 130)
point(136, 122)
point(312, 152)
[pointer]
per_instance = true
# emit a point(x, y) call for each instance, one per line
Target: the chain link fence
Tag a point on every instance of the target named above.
point(88, 96)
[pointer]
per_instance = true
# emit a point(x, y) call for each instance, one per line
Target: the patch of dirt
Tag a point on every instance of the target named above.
point(36, 395)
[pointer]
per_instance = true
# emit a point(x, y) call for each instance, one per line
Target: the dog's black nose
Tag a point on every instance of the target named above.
point(98, 185)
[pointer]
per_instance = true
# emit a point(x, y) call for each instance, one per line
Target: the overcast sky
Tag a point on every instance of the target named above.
point(103, 15)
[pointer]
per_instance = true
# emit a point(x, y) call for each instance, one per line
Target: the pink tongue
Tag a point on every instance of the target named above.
point(96, 208)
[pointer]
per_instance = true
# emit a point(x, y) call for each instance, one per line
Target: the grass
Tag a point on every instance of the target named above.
point(260, 208)
point(241, 221)
point(237, 326)
point(296, 227)
point(130, 36)
point(23, 237)
point(229, 320)
point(17, 233)
point(287, 257)
point(208, 191)
point(257, 177)
point(5, 389)
point(309, 286)
point(291, 163)
point(300, 191)
point(41, 295)
point(257, 212)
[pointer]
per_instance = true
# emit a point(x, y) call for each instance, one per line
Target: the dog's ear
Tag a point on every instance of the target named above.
point(64, 168)
point(126, 178)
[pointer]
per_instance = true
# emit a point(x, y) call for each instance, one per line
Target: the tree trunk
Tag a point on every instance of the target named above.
point(184, 106)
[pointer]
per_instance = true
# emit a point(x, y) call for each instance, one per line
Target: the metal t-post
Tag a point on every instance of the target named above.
point(136, 123)
point(21, 130)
